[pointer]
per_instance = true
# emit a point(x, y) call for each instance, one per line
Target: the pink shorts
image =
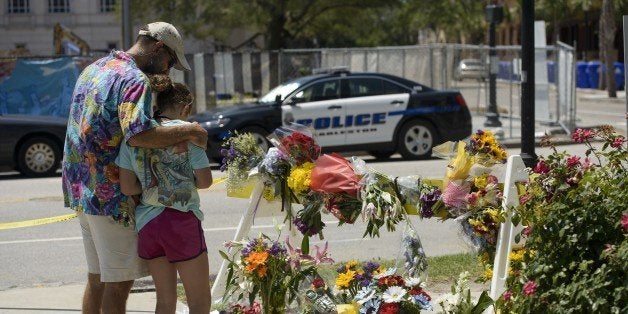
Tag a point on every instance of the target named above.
point(174, 234)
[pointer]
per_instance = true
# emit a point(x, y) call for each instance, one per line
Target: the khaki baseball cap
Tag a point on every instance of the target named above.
point(169, 35)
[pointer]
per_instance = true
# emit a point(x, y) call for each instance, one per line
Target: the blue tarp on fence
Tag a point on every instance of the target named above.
point(39, 87)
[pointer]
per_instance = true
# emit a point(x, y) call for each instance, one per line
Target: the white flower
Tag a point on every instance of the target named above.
point(415, 281)
point(394, 294)
point(389, 272)
point(246, 285)
point(364, 295)
point(369, 211)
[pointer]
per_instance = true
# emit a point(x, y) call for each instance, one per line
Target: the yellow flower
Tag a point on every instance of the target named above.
point(299, 179)
point(488, 274)
point(516, 256)
point(352, 264)
point(344, 279)
point(493, 213)
point(484, 258)
point(268, 194)
point(460, 166)
point(480, 181)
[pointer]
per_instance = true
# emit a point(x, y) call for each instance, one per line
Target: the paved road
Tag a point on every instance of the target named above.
point(53, 254)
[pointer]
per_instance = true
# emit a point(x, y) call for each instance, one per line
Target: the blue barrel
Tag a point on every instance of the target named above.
point(551, 71)
point(593, 73)
point(619, 75)
point(582, 80)
point(505, 67)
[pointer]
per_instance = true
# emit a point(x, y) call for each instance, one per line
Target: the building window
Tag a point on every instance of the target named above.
point(58, 6)
point(107, 5)
point(19, 6)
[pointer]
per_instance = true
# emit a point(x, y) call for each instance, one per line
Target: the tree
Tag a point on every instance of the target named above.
point(607, 37)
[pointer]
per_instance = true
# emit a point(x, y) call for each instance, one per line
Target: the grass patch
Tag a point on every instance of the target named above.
point(441, 269)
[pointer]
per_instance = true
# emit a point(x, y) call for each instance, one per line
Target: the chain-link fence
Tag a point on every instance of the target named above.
point(234, 76)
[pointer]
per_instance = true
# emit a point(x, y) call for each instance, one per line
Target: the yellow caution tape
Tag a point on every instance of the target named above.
point(43, 221)
point(35, 222)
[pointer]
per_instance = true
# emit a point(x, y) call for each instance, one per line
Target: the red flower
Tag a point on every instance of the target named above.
point(541, 167)
point(624, 222)
point(581, 135)
point(526, 231)
point(529, 288)
point(389, 308)
point(507, 295)
point(618, 142)
point(318, 282)
point(573, 161)
point(390, 281)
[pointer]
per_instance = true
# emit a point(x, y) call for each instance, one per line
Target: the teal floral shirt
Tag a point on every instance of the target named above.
point(111, 103)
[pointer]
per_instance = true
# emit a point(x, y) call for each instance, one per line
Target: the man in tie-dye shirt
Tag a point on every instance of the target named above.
point(112, 103)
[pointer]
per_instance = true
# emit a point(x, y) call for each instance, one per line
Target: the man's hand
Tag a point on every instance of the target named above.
point(199, 135)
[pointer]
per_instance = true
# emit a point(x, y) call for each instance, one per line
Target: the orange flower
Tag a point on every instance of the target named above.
point(257, 258)
point(261, 271)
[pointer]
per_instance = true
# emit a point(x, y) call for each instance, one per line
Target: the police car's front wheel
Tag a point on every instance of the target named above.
point(416, 140)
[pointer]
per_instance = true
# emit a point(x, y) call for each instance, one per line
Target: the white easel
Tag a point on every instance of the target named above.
point(515, 172)
point(246, 221)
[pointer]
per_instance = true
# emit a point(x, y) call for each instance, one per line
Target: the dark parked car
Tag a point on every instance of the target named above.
point(374, 112)
point(32, 145)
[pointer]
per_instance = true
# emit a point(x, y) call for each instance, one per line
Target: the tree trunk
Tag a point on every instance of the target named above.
point(607, 36)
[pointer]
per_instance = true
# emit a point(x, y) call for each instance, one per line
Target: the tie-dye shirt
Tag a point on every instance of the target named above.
point(111, 103)
point(166, 176)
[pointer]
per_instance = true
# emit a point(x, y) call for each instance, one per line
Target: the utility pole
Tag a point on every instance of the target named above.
point(527, 83)
point(494, 15)
point(127, 36)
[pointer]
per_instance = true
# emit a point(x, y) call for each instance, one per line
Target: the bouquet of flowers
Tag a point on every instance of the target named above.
point(376, 290)
point(269, 271)
point(240, 154)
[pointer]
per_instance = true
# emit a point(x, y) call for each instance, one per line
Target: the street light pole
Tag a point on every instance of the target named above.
point(494, 14)
point(126, 25)
point(527, 83)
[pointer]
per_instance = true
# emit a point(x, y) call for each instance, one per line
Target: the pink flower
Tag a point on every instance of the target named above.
point(321, 255)
point(491, 179)
point(541, 167)
point(472, 199)
point(529, 288)
point(524, 198)
point(526, 231)
point(624, 222)
point(618, 142)
point(586, 164)
point(573, 161)
point(454, 195)
point(507, 295)
point(581, 135)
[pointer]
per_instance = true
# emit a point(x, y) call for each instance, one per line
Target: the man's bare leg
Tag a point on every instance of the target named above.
point(92, 297)
point(115, 296)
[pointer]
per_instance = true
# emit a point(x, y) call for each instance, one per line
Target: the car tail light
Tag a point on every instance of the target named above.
point(460, 100)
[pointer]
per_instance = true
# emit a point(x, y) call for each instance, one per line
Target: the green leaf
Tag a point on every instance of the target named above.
point(305, 245)
point(483, 303)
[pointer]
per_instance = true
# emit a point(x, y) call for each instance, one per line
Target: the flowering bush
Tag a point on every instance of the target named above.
point(269, 271)
point(575, 258)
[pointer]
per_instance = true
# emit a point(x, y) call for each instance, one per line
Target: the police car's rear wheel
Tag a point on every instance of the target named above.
point(416, 140)
point(260, 136)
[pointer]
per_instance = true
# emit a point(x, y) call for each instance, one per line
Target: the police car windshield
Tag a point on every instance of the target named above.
point(284, 90)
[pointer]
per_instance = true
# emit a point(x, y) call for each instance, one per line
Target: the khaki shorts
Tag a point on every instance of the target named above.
point(111, 249)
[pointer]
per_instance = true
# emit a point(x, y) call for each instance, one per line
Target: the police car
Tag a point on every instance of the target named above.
point(349, 111)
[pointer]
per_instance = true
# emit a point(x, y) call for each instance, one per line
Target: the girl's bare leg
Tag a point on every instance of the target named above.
point(165, 278)
point(195, 277)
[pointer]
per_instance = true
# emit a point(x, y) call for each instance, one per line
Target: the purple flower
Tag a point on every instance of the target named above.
point(427, 202)
point(104, 191)
point(276, 249)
